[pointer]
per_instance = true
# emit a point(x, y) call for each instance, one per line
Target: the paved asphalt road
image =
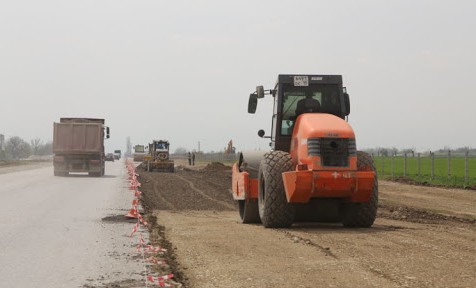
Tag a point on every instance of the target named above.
point(52, 231)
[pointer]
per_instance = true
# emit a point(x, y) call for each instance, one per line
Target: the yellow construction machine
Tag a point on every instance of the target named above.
point(159, 157)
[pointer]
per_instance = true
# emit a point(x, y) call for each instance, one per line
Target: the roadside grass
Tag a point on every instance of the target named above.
point(394, 167)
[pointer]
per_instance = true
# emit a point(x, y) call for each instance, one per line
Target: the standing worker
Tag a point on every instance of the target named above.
point(193, 158)
point(189, 159)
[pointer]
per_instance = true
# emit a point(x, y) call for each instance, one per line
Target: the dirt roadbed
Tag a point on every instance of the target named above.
point(423, 237)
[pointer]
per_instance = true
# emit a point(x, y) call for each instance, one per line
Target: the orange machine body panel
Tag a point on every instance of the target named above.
point(301, 186)
point(318, 125)
point(243, 187)
point(318, 180)
point(312, 179)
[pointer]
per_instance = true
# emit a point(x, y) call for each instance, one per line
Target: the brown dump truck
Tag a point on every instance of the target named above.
point(78, 145)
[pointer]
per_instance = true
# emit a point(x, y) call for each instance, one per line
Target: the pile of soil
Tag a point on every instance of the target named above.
point(216, 166)
point(414, 215)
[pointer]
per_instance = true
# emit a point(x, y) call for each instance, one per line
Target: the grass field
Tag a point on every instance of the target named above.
point(393, 167)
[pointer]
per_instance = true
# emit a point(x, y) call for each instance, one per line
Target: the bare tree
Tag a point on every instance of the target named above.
point(18, 148)
point(408, 151)
point(35, 145)
point(46, 149)
point(394, 151)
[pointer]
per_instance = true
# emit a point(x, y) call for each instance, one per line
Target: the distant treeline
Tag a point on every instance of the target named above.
point(17, 148)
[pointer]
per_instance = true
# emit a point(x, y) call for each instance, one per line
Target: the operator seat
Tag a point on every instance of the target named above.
point(308, 105)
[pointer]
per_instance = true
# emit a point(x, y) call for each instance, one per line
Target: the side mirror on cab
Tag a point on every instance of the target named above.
point(347, 104)
point(107, 132)
point(252, 103)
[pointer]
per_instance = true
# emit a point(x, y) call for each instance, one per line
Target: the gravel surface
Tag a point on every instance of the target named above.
point(423, 237)
point(187, 189)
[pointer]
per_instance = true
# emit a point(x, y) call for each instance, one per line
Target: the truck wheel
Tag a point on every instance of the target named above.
point(274, 209)
point(249, 212)
point(362, 214)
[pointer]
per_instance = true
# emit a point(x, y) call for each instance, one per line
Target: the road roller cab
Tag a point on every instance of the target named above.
point(313, 171)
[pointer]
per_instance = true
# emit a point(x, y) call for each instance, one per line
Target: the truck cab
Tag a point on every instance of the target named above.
point(117, 154)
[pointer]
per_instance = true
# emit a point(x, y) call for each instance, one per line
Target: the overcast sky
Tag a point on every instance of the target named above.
point(183, 70)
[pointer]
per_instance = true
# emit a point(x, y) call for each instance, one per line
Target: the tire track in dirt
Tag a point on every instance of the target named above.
point(216, 184)
point(295, 238)
point(152, 193)
point(161, 197)
point(203, 194)
point(410, 214)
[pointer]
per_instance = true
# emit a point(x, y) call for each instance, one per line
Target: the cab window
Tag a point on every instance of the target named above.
point(326, 95)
